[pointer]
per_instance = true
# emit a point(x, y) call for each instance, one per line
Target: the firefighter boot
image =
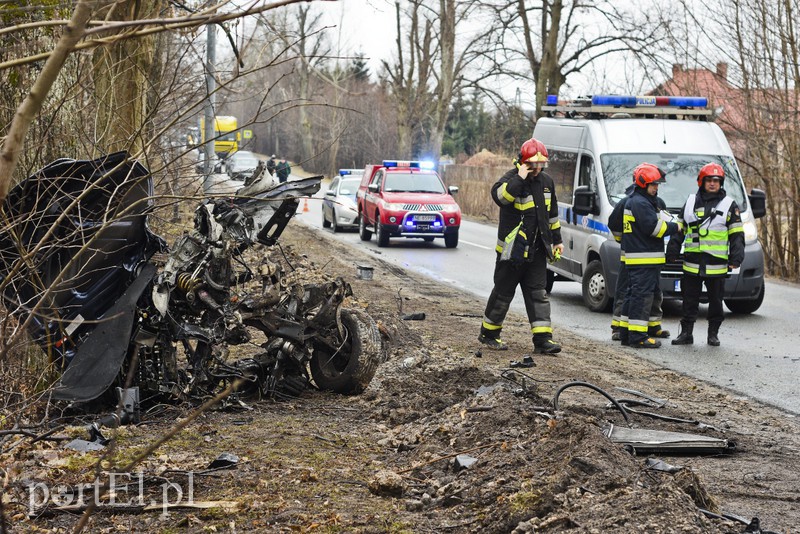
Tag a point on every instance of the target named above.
point(546, 346)
point(685, 337)
point(614, 333)
point(713, 331)
point(657, 331)
point(624, 337)
point(647, 343)
point(494, 343)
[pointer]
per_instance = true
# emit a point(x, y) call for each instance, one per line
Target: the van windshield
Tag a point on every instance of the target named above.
point(681, 175)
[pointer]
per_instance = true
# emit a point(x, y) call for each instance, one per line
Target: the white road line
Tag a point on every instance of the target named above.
point(475, 245)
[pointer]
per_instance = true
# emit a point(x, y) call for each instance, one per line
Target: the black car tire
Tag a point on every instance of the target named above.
point(381, 234)
point(746, 306)
point(334, 226)
point(364, 233)
point(349, 371)
point(325, 222)
point(595, 288)
point(451, 239)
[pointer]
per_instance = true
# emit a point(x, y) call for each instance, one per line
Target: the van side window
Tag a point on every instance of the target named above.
point(562, 170)
point(587, 174)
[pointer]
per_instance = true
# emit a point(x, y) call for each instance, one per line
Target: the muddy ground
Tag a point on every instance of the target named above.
point(385, 461)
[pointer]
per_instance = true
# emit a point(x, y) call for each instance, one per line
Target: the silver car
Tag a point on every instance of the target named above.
point(339, 206)
point(241, 165)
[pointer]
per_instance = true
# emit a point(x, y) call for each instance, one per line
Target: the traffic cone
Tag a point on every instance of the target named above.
point(305, 204)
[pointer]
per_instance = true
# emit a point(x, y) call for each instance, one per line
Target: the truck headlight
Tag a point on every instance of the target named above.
point(392, 207)
point(450, 208)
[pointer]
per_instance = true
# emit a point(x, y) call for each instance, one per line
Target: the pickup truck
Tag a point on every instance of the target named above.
point(406, 199)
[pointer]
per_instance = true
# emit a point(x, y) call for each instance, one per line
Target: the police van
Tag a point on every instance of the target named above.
point(594, 144)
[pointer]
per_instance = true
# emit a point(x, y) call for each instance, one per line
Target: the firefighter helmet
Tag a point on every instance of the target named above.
point(534, 152)
point(646, 174)
point(710, 169)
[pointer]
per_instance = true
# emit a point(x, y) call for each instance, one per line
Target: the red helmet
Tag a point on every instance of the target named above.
point(710, 169)
point(534, 151)
point(647, 173)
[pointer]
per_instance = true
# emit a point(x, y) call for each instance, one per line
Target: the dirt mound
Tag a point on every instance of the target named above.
point(485, 158)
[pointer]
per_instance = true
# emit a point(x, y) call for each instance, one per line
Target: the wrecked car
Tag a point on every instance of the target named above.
point(78, 273)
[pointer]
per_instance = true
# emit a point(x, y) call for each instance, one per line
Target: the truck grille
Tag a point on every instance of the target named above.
point(422, 207)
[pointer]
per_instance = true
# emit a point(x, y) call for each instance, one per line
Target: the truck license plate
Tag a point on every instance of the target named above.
point(677, 286)
point(426, 218)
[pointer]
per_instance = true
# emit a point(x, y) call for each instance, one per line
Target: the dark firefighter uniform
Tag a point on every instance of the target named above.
point(527, 230)
point(714, 240)
point(643, 241)
point(619, 321)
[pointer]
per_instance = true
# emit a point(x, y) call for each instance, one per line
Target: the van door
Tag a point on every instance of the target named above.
point(584, 225)
point(562, 169)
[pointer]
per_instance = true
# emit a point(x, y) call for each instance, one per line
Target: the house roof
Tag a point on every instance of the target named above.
point(729, 100)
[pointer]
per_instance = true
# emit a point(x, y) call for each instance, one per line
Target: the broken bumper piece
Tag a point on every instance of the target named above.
point(644, 440)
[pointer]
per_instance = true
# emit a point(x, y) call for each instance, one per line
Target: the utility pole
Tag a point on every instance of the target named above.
point(211, 86)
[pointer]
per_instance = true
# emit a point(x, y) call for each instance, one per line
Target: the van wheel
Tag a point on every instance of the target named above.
point(364, 233)
point(551, 278)
point(746, 306)
point(595, 289)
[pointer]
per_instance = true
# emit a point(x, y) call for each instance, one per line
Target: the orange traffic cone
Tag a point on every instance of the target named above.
point(305, 204)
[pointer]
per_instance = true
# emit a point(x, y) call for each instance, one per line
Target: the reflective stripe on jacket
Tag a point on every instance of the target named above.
point(713, 241)
point(528, 212)
point(643, 231)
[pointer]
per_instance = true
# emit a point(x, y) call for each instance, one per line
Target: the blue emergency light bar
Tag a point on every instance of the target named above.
point(650, 101)
point(429, 165)
point(632, 101)
point(345, 172)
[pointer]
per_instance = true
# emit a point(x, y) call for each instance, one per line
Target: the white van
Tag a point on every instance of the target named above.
point(594, 145)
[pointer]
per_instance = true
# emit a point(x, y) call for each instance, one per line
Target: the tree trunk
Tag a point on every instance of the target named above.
point(444, 94)
point(122, 85)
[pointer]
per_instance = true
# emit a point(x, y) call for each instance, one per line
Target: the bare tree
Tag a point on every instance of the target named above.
point(759, 109)
point(410, 76)
point(570, 36)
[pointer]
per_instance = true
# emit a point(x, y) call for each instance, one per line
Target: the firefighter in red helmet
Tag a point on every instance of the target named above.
point(528, 235)
point(713, 244)
point(643, 235)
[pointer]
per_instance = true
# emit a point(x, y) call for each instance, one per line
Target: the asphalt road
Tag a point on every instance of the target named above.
point(760, 353)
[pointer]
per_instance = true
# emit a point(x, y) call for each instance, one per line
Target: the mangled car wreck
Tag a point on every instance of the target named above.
point(78, 268)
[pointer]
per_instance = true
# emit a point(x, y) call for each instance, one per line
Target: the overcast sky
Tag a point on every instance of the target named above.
point(366, 26)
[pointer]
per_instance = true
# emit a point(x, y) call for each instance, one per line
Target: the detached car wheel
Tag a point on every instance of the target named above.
point(350, 369)
point(363, 232)
point(595, 289)
point(746, 306)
